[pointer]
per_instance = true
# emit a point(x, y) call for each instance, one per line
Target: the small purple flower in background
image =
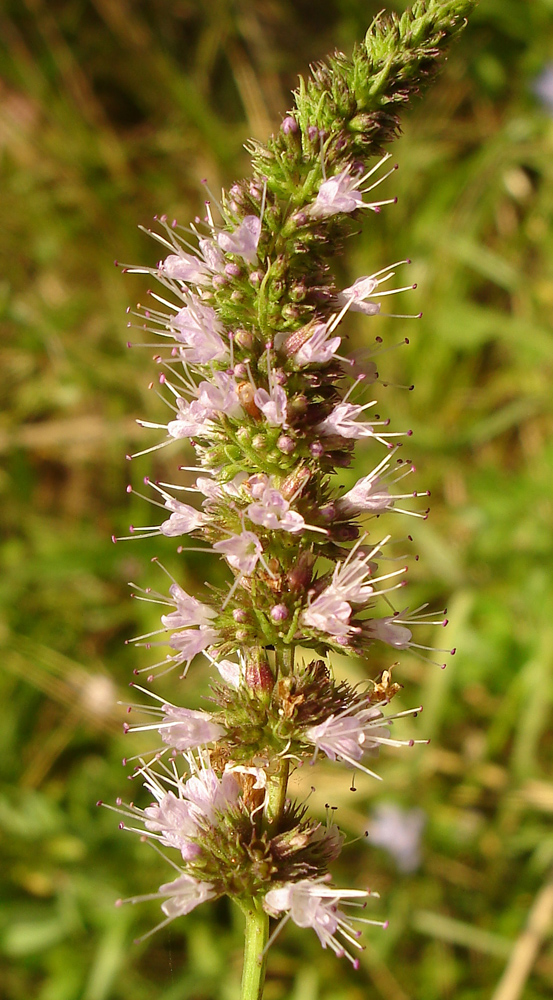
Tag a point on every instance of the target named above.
point(543, 87)
point(399, 832)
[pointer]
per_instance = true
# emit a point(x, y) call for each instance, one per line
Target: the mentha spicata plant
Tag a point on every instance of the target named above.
point(253, 360)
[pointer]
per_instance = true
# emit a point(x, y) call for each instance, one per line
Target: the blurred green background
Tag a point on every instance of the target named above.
point(111, 111)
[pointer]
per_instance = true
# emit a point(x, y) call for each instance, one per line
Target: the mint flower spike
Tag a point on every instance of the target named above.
point(355, 104)
point(249, 322)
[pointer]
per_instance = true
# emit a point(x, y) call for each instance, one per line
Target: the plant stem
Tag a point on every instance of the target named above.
point(275, 796)
point(255, 960)
point(277, 784)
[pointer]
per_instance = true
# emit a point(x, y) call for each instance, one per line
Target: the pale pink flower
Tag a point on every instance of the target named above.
point(368, 493)
point(182, 729)
point(214, 398)
point(343, 421)
point(320, 347)
point(184, 894)
point(231, 673)
point(331, 610)
point(243, 240)
point(344, 193)
point(337, 194)
point(210, 488)
point(183, 266)
point(313, 904)
point(201, 798)
point(183, 519)
point(186, 267)
point(189, 611)
point(273, 511)
point(272, 405)
point(175, 820)
point(198, 329)
point(349, 735)
point(192, 420)
point(192, 641)
point(356, 295)
point(388, 631)
point(210, 795)
point(242, 551)
point(219, 395)
point(349, 580)
point(212, 255)
point(328, 613)
point(186, 729)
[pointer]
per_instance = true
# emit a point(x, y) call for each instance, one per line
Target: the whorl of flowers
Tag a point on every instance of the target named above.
point(254, 366)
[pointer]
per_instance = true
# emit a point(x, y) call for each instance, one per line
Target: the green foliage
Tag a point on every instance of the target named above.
point(109, 113)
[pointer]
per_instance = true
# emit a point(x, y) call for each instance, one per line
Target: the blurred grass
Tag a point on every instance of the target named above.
point(110, 112)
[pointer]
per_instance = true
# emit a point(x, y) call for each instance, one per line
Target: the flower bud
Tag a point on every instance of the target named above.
point(258, 674)
point(297, 407)
point(233, 270)
point(243, 434)
point(328, 512)
point(295, 482)
point(300, 575)
point(298, 291)
point(289, 125)
point(245, 340)
point(286, 444)
point(279, 613)
point(344, 532)
point(291, 311)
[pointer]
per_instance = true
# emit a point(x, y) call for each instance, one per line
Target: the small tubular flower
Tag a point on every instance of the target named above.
point(199, 332)
point(183, 519)
point(183, 895)
point(357, 731)
point(312, 904)
point(319, 348)
point(244, 240)
point(242, 551)
point(337, 194)
point(343, 421)
point(273, 405)
point(272, 511)
point(328, 613)
point(185, 729)
point(189, 611)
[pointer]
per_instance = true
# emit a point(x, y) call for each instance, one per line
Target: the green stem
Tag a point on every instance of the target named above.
point(255, 958)
point(284, 660)
point(277, 784)
point(257, 921)
point(275, 796)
